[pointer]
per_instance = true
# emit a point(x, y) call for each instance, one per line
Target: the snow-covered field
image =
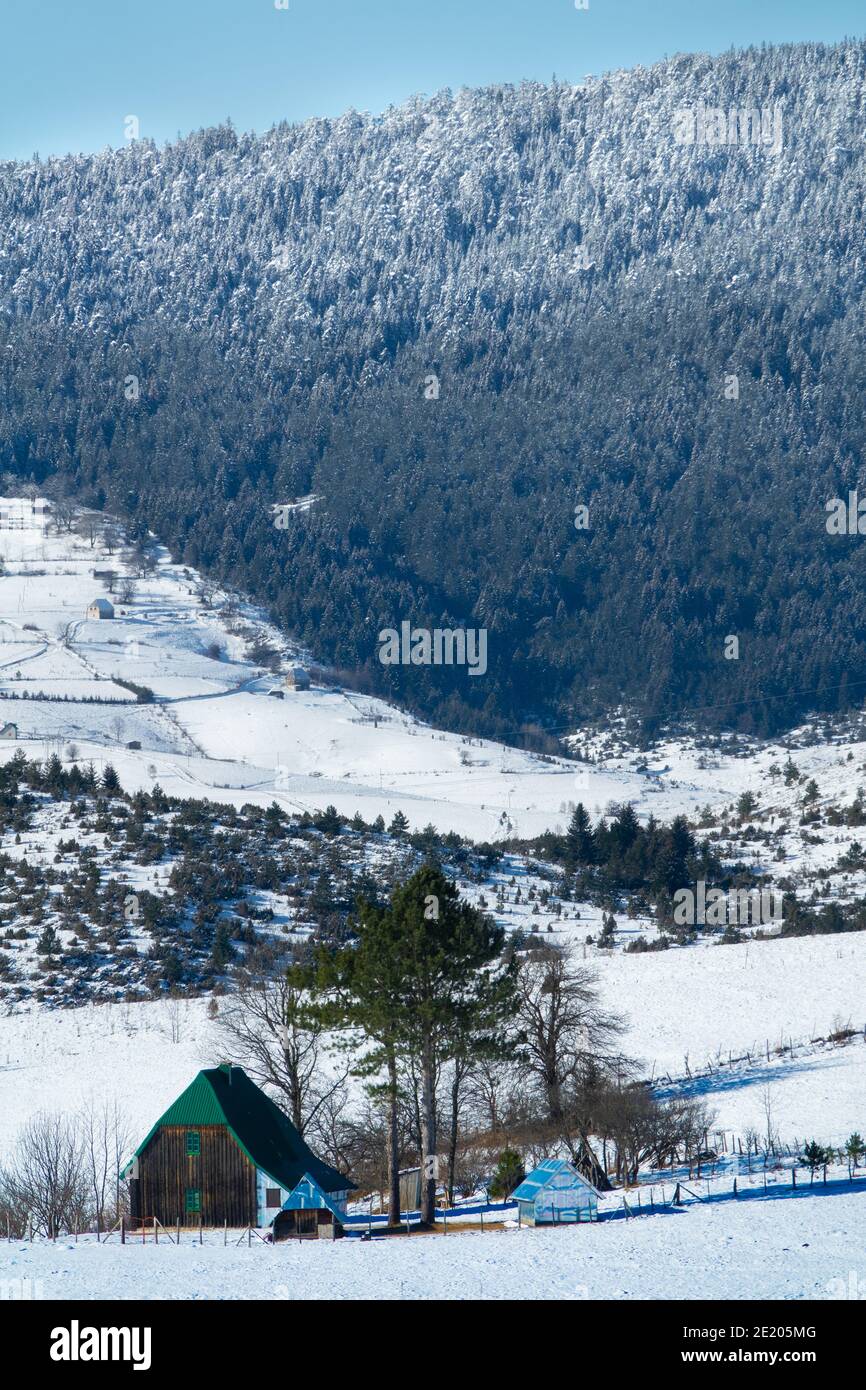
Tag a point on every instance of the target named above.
point(684, 1009)
point(213, 730)
point(690, 1008)
point(806, 1247)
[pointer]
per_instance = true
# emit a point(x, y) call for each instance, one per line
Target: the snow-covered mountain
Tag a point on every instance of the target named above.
point(452, 324)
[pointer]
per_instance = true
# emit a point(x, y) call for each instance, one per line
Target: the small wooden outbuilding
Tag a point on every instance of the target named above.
point(9, 731)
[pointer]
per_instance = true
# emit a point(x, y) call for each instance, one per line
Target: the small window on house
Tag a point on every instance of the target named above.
point(193, 1142)
point(272, 1196)
point(193, 1199)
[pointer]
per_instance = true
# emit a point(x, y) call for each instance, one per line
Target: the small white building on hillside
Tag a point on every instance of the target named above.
point(101, 608)
point(297, 678)
point(24, 513)
point(8, 730)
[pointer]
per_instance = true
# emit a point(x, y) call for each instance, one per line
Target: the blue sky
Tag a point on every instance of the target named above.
point(75, 69)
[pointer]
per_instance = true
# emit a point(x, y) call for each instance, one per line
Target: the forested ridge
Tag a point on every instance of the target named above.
point(579, 285)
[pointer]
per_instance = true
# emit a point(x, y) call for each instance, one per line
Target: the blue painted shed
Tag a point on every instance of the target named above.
point(555, 1193)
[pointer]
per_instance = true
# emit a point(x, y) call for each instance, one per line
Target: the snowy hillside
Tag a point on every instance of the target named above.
point(214, 727)
point(396, 314)
point(685, 1010)
point(753, 1027)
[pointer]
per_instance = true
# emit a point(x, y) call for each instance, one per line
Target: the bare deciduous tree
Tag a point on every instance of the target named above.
point(47, 1176)
point(570, 1044)
point(106, 1141)
point(268, 1030)
point(63, 514)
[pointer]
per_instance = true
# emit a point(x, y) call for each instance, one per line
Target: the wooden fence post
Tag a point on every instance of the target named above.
point(123, 1230)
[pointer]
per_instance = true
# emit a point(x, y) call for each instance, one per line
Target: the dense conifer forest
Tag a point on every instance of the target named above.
point(453, 324)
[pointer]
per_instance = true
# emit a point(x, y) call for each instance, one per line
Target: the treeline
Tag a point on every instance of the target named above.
point(619, 855)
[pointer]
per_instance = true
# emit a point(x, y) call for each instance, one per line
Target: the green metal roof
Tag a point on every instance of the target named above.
point(197, 1105)
point(226, 1096)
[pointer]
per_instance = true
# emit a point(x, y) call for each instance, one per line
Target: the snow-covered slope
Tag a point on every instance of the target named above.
point(743, 1025)
point(215, 728)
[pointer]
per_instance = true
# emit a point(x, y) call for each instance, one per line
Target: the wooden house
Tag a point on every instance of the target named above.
point(554, 1194)
point(9, 731)
point(223, 1152)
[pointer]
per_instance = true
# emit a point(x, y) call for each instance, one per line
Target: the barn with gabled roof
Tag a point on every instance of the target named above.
point(224, 1152)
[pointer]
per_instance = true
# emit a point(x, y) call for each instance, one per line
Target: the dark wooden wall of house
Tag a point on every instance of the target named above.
point(221, 1172)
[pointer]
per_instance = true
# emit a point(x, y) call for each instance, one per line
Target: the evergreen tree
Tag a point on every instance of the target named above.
point(854, 1150)
point(49, 942)
point(358, 992)
point(815, 1157)
point(223, 951)
point(110, 780)
point(579, 840)
point(509, 1173)
point(458, 992)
